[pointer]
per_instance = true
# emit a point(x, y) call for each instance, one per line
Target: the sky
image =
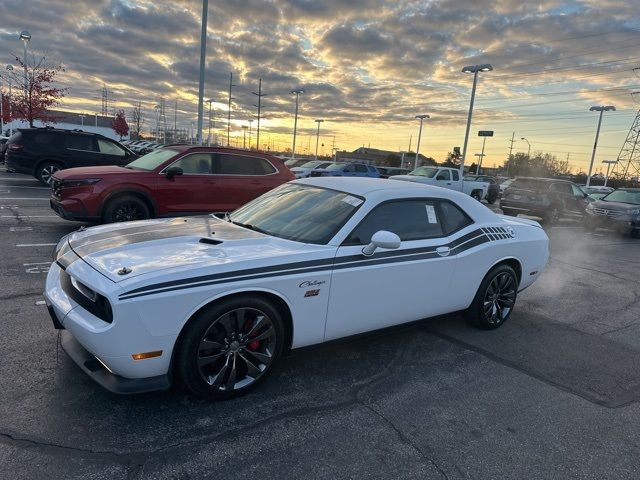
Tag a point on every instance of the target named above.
point(367, 68)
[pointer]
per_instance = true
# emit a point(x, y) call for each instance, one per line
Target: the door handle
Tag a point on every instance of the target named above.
point(443, 251)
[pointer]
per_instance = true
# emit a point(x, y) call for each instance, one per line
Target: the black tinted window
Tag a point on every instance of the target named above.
point(227, 164)
point(409, 219)
point(361, 168)
point(562, 188)
point(79, 142)
point(194, 164)
point(452, 217)
point(41, 139)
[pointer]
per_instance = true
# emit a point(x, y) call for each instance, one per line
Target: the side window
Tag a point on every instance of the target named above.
point(455, 175)
point(409, 219)
point(79, 142)
point(229, 164)
point(110, 148)
point(562, 188)
point(195, 164)
point(361, 168)
point(349, 168)
point(43, 138)
point(262, 167)
point(443, 175)
point(452, 217)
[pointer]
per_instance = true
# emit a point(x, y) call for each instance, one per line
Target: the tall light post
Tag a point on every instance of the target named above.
point(203, 54)
point(250, 124)
point(244, 136)
point(421, 117)
point(479, 162)
point(529, 150)
point(609, 163)
point(10, 70)
point(25, 37)
point(601, 109)
point(475, 69)
point(318, 121)
point(295, 121)
point(82, 119)
point(210, 101)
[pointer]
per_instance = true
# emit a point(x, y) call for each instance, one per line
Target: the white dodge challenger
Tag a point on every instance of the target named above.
point(215, 302)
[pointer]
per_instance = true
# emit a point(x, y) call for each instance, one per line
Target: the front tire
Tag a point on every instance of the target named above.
point(125, 208)
point(495, 299)
point(475, 194)
point(229, 347)
point(46, 171)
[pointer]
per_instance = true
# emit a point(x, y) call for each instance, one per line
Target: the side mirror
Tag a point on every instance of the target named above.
point(172, 172)
point(382, 239)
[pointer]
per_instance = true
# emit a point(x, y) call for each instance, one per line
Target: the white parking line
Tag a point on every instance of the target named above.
point(41, 302)
point(36, 245)
point(4, 207)
point(39, 267)
point(24, 198)
point(26, 216)
point(20, 186)
point(20, 229)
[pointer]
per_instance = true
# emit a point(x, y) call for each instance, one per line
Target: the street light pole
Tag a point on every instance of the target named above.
point(25, 37)
point(295, 121)
point(484, 140)
point(475, 69)
point(203, 54)
point(609, 163)
point(421, 117)
point(231, 85)
point(82, 119)
point(529, 150)
point(244, 136)
point(10, 69)
point(600, 109)
point(318, 121)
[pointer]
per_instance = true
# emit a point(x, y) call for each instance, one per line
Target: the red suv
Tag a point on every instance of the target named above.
point(175, 180)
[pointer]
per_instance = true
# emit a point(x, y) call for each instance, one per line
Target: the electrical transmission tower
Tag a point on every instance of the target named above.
point(629, 157)
point(105, 101)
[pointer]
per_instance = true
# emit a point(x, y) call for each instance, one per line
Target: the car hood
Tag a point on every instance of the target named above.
point(615, 206)
point(89, 172)
point(153, 245)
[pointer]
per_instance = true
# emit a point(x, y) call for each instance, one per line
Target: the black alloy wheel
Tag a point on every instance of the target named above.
point(230, 347)
point(126, 208)
point(495, 298)
point(46, 171)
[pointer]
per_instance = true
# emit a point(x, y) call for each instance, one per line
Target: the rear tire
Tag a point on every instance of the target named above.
point(475, 194)
point(229, 347)
point(125, 208)
point(46, 171)
point(495, 299)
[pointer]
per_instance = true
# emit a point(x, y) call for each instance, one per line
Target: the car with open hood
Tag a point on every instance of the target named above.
point(216, 302)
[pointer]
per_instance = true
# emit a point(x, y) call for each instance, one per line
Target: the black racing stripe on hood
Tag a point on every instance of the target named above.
point(207, 226)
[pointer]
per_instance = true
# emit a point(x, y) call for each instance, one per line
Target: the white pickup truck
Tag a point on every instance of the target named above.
point(447, 178)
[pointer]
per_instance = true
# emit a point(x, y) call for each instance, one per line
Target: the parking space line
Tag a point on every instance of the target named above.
point(20, 229)
point(25, 216)
point(23, 198)
point(21, 186)
point(41, 302)
point(36, 245)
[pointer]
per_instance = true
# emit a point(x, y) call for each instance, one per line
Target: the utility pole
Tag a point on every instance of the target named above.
point(318, 121)
point(600, 109)
point(295, 121)
point(250, 124)
point(231, 85)
point(175, 121)
point(410, 139)
point(421, 117)
point(203, 54)
point(259, 95)
point(513, 136)
point(244, 136)
point(209, 136)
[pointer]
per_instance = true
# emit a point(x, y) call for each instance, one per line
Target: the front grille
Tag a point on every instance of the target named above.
point(56, 186)
point(607, 213)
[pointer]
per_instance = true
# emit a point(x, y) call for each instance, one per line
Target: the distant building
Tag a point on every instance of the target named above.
point(72, 120)
point(374, 156)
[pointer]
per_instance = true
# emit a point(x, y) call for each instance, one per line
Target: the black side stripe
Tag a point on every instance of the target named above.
point(458, 246)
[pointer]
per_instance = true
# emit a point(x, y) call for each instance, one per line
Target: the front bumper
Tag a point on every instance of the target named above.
point(79, 212)
point(104, 350)
point(620, 223)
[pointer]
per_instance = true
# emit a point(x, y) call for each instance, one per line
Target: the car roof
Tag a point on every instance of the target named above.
point(75, 131)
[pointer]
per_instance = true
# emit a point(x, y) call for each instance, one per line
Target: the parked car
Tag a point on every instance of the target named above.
point(548, 198)
point(176, 180)
point(41, 152)
point(386, 172)
point(295, 162)
point(346, 169)
point(214, 304)
point(304, 170)
point(504, 184)
point(619, 210)
point(493, 192)
point(447, 178)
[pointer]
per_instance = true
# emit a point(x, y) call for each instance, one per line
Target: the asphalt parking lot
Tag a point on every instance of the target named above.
point(552, 394)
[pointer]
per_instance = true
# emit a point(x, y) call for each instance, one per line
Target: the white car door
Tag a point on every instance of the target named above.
point(395, 286)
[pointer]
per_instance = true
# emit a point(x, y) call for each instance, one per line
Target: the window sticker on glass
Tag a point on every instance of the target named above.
point(431, 214)
point(352, 200)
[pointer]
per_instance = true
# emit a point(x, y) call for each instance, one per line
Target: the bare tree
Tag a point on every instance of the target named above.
point(137, 121)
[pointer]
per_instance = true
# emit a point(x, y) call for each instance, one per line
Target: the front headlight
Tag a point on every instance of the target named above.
point(79, 183)
point(590, 206)
point(59, 246)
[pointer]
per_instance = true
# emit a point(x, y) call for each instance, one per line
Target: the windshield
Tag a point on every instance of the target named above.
point(336, 166)
point(624, 196)
point(298, 212)
point(153, 160)
point(311, 164)
point(425, 172)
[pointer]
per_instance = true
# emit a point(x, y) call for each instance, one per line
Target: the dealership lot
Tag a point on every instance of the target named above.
point(553, 393)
